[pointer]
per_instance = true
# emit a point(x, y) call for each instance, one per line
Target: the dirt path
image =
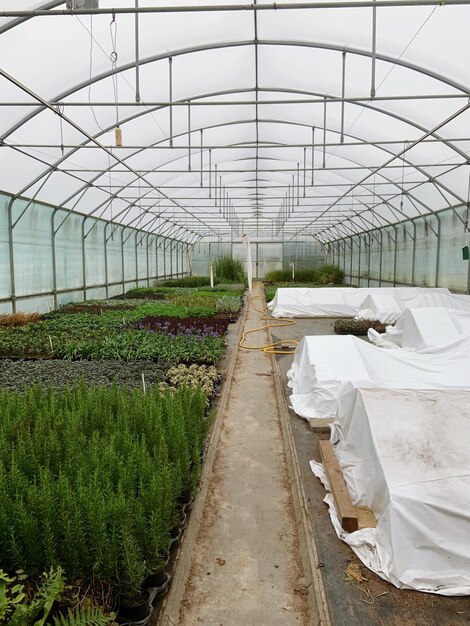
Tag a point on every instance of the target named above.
point(245, 568)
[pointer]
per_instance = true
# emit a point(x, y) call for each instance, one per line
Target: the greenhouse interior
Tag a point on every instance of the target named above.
point(234, 312)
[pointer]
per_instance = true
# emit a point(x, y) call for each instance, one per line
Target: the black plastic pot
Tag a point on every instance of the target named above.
point(136, 612)
point(156, 579)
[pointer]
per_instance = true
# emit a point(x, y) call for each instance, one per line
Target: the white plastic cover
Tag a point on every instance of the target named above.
point(322, 364)
point(346, 301)
point(424, 328)
point(404, 454)
point(388, 308)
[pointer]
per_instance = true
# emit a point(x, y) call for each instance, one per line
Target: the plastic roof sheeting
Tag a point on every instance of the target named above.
point(281, 154)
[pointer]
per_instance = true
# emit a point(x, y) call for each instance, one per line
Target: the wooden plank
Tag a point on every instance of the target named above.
point(347, 514)
point(365, 517)
point(320, 424)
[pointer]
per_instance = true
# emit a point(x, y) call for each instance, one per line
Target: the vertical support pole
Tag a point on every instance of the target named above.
point(210, 172)
point(305, 168)
point(438, 248)
point(381, 256)
point(122, 261)
point(298, 184)
point(53, 258)
point(83, 259)
point(147, 257)
point(313, 156)
point(105, 253)
point(202, 156)
point(170, 93)
point(324, 132)
point(171, 257)
point(189, 135)
point(413, 258)
point(359, 264)
point(351, 258)
point(137, 56)
point(12, 257)
point(164, 260)
point(136, 253)
point(343, 90)
point(374, 47)
point(395, 256)
point(368, 262)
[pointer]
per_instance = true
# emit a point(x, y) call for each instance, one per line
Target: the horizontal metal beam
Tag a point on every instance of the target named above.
point(240, 146)
point(264, 170)
point(217, 103)
point(231, 8)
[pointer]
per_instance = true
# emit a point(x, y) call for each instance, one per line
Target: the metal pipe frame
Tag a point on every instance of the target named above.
point(292, 43)
point(231, 8)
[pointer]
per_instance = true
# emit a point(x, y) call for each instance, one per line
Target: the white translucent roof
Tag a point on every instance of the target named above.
point(254, 120)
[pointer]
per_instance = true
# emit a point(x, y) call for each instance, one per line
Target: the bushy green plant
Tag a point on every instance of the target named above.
point(330, 274)
point(238, 288)
point(357, 327)
point(324, 275)
point(192, 376)
point(186, 281)
point(229, 270)
point(33, 606)
point(285, 276)
point(228, 304)
point(105, 514)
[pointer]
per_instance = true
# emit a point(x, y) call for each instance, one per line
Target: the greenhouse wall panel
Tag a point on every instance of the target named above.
point(60, 256)
point(425, 251)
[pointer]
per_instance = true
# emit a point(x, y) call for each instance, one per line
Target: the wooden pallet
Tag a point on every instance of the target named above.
point(351, 517)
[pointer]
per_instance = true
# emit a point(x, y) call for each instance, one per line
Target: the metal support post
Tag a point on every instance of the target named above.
point(53, 258)
point(83, 258)
point(105, 252)
point(395, 256)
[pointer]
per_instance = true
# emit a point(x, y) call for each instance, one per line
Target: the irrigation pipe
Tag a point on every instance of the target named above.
point(271, 348)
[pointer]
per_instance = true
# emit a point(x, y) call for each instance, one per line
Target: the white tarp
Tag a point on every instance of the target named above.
point(341, 301)
point(428, 327)
point(404, 454)
point(322, 364)
point(388, 308)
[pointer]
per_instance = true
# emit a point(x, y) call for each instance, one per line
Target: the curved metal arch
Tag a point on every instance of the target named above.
point(252, 121)
point(385, 202)
point(236, 44)
point(304, 92)
point(90, 183)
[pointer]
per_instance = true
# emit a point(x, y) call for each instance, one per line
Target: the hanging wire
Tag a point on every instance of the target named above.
point(405, 144)
point(60, 110)
point(113, 31)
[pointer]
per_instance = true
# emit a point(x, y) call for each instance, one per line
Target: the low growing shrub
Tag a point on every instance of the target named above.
point(285, 276)
point(357, 327)
point(186, 281)
point(19, 319)
point(105, 515)
point(228, 304)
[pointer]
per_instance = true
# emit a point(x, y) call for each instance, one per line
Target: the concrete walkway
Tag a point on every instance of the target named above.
point(245, 568)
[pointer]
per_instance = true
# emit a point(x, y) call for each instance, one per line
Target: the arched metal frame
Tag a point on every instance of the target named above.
point(321, 232)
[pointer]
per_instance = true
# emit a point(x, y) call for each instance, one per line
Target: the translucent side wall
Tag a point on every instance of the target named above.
point(266, 255)
point(423, 251)
point(49, 257)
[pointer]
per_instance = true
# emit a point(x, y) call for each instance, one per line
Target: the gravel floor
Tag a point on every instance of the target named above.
point(17, 375)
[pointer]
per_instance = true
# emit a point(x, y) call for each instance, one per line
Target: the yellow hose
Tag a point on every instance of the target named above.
point(270, 348)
